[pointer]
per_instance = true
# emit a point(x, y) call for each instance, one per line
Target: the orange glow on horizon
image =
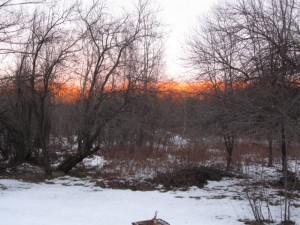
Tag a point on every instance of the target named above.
point(66, 94)
point(70, 93)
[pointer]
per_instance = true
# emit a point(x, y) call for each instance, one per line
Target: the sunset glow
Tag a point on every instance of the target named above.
point(69, 94)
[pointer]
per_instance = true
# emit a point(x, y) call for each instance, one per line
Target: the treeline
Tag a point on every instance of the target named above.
point(111, 56)
point(248, 50)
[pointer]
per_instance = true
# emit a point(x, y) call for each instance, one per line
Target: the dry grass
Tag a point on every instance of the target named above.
point(143, 161)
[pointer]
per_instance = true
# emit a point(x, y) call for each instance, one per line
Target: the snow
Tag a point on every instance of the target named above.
point(74, 201)
point(94, 161)
point(61, 204)
point(179, 141)
point(79, 201)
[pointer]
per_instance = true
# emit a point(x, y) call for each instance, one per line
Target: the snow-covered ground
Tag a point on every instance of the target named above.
point(94, 161)
point(74, 201)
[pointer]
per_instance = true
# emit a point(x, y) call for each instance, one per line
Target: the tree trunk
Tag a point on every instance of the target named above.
point(229, 141)
point(283, 152)
point(229, 158)
point(47, 164)
point(73, 160)
point(45, 155)
point(44, 132)
point(3, 154)
point(270, 153)
point(285, 174)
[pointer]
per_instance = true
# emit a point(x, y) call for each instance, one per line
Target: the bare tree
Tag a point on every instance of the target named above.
point(43, 61)
point(214, 54)
point(273, 29)
point(106, 80)
point(255, 46)
point(13, 23)
point(255, 43)
point(143, 66)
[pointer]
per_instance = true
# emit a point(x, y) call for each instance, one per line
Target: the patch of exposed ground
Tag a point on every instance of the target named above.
point(25, 172)
point(187, 177)
point(180, 179)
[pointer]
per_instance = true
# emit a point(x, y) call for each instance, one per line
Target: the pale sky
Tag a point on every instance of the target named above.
point(182, 16)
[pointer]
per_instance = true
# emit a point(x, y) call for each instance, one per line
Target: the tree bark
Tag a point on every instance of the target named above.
point(47, 164)
point(73, 160)
point(229, 142)
point(283, 152)
point(270, 152)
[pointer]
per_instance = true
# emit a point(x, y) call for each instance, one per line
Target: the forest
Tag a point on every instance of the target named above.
point(78, 80)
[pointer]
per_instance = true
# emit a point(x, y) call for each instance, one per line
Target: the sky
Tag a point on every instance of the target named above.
point(181, 16)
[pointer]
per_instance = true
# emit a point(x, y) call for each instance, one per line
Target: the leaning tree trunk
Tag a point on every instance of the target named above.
point(70, 162)
point(229, 142)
